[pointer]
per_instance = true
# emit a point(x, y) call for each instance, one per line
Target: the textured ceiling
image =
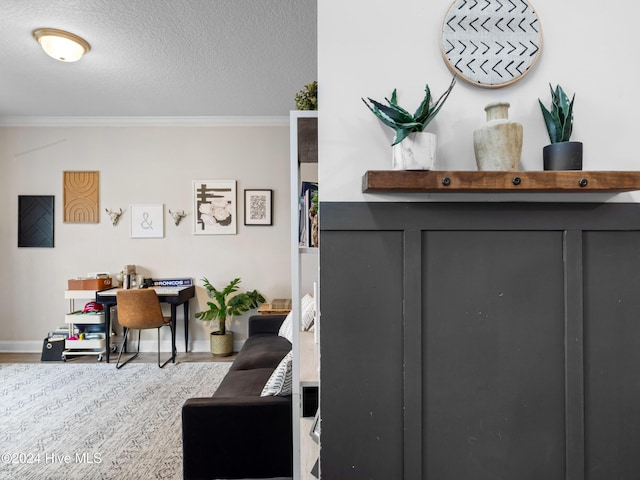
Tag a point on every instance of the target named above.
point(158, 57)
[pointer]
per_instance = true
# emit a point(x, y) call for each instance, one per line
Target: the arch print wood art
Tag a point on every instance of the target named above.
point(491, 43)
point(81, 197)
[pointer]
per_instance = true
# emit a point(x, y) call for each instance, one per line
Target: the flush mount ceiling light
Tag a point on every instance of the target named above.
point(61, 45)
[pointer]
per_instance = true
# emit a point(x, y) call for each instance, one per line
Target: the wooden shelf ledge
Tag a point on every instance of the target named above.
point(567, 181)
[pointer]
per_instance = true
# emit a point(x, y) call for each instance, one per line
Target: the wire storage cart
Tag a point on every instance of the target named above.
point(86, 329)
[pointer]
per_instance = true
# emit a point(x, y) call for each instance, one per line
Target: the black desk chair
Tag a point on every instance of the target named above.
point(140, 309)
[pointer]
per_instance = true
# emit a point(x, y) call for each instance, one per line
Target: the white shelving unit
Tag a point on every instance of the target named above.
point(95, 346)
point(304, 274)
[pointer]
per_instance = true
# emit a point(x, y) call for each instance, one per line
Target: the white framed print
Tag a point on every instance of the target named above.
point(147, 221)
point(258, 207)
point(215, 207)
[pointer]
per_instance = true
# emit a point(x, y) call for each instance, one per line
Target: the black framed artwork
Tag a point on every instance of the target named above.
point(258, 207)
point(35, 221)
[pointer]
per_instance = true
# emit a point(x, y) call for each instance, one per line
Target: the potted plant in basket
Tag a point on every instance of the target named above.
point(224, 306)
point(413, 148)
point(561, 154)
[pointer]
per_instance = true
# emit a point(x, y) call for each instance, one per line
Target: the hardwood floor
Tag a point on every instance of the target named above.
point(143, 357)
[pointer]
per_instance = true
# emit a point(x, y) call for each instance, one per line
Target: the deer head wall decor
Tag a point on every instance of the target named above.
point(177, 216)
point(114, 216)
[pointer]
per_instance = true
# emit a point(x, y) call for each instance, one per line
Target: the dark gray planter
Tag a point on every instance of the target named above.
point(562, 156)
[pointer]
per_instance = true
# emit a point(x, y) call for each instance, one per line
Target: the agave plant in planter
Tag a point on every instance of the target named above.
point(561, 154)
point(413, 148)
point(223, 306)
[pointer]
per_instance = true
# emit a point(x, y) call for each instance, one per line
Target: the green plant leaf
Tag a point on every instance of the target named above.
point(563, 101)
point(256, 298)
point(388, 121)
point(401, 134)
point(208, 315)
point(239, 304)
point(425, 106)
point(567, 127)
point(435, 109)
point(232, 287)
point(394, 97)
point(403, 115)
point(551, 123)
point(413, 126)
point(559, 118)
point(401, 120)
point(403, 130)
point(397, 114)
point(226, 305)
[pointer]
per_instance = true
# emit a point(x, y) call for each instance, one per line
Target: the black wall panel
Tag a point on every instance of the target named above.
point(480, 341)
point(494, 355)
point(612, 355)
point(362, 395)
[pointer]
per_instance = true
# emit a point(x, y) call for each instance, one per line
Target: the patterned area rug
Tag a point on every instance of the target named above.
point(86, 421)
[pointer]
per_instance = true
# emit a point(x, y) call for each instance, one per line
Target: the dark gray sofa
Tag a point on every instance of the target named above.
point(236, 433)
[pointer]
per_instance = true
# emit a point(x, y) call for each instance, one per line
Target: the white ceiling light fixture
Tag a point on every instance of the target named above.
point(61, 45)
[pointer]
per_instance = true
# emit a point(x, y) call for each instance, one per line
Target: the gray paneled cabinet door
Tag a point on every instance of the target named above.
point(470, 341)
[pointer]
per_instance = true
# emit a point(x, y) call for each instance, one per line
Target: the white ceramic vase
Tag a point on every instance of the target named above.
point(498, 144)
point(416, 152)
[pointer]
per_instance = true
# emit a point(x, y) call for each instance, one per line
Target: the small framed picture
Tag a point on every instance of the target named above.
point(258, 207)
point(147, 221)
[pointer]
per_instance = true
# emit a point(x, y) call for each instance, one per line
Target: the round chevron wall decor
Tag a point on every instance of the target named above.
point(491, 43)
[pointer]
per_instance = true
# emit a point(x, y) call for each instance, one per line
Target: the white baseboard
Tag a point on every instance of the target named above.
point(21, 346)
point(196, 346)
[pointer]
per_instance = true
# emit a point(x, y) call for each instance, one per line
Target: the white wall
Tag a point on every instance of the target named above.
point(369, 47)
point(138, 165)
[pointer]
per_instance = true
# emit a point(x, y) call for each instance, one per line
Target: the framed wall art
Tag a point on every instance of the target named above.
point(491, 43)
point(147, 221)
point(80, 197)
point(35, 220)
point(215, 207)
point(258, 207)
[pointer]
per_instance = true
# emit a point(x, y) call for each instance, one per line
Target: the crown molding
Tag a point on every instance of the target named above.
point(274, 121)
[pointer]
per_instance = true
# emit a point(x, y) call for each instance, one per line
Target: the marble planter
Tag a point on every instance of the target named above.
point(416, 152)
point(498, 144)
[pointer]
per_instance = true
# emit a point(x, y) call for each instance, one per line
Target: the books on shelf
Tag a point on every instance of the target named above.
point(307, 192)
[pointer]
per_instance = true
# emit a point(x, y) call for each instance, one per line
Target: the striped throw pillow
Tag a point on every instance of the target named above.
point(281, 381)
point(286, 329)
point(308, 311)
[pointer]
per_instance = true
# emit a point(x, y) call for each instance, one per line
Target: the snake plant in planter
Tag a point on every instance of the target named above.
point(413, 148)
point(561, 154)
point(223, 306)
